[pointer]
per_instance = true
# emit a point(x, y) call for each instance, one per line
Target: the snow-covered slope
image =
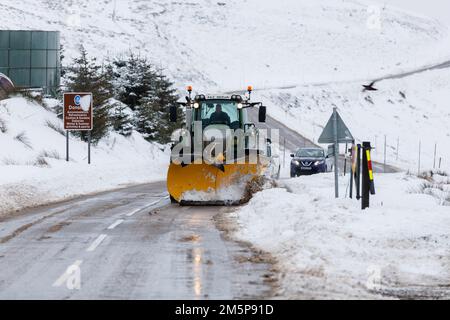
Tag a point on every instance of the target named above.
point(229, 44)
point(407, 111)
point(325, 49)
point(33, 169)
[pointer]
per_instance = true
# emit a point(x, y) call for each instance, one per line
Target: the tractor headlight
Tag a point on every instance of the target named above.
point(196, 105)
point(240, 105)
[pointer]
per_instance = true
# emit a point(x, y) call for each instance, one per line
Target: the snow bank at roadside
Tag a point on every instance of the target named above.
point(33, 169)
point(329, 248)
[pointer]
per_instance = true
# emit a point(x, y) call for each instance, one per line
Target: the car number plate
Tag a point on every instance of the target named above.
point(305, 168)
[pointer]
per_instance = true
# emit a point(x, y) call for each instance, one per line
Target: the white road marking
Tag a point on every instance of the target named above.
point(61, 280)
point(96, 242)
point(133, 212)
point(147, 206)
point(115, 224)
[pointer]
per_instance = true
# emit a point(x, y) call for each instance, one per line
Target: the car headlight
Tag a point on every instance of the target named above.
point(295, 162)
point(319, 162)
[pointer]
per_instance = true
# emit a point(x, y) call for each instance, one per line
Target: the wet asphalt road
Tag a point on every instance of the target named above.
point(125, 244)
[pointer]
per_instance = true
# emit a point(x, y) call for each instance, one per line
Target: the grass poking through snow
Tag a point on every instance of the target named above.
point(436, 184)
point(22, 137)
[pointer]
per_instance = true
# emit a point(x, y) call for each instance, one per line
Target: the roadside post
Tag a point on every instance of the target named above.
point(89, 148)
point(384, 162)
point(78, 116)
point(345, 158)
point(352, 167)
point(335, 131)
point(368, 186)
point(358, 172)
point(336, 154)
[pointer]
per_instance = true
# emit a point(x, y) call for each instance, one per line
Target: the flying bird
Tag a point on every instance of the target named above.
point(369, 87)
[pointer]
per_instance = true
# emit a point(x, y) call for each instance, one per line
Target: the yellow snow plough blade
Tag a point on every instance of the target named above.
point(211, 184)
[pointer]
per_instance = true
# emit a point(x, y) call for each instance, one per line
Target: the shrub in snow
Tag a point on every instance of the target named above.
point(153, 116)
point(3, 127)
point(22, 137)
point(41, 162)
point(437, 184)
point(29, 95)
point(58, 128)
point(148, 93)
point(50, 154)
point(9, 162)
point(121, 119)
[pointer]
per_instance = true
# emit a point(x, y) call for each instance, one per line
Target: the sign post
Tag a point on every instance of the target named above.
point(67, 146)
point(352, 167)
point(336, 153)
point(78, 116)
point(336, 132)
point(89, 148)
point(365, 179)
point(358, 172)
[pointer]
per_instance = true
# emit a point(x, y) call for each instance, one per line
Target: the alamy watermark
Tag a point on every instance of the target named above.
point(71, 277)
point(374, 18)
point(222, 146)
point(373, 282)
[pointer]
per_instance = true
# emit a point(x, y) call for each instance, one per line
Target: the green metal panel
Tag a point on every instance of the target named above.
point(4, 39)
point(39, 40)
point(20, 77)
point(3, 58)
point(38, 77)
point(39, 58)
point(20, 58)
point(20, 40)
point(51, 59)
point(53, 40)
point(51, 78)
point(31, 58)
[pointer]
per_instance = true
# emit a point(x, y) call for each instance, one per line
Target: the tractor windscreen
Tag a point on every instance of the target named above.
point(219, 112)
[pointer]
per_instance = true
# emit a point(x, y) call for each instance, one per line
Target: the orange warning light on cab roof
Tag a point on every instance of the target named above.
point(189, 88)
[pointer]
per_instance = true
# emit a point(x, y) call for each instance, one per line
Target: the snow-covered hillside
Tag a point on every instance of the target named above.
point(408, 111)
point(229, 44)
point(325, 49)
point(32, 159)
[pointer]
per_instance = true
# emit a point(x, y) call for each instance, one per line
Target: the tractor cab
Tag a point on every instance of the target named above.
point(219, 111)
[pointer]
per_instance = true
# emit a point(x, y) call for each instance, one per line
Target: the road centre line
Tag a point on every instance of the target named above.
point(96, 242)
point(115, 224)
point(147, 206)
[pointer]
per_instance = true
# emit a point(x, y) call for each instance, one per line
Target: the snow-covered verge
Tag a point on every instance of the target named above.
point(408, 111)
point(329, 248)
point(33, 169)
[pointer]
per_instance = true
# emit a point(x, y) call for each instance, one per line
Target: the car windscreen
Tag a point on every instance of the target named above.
point(310, 153)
